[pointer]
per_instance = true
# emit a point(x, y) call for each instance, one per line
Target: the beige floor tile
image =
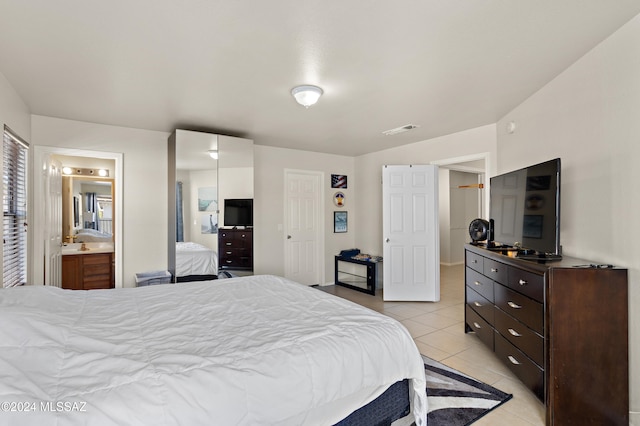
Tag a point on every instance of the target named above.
point(417, 329)
point(438, 330)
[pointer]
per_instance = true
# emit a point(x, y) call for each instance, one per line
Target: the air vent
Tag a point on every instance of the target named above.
point(401, 129)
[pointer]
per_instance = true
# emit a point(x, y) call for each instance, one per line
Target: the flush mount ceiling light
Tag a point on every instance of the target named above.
point(213, 154)
point(306, 95)
point(400, 129)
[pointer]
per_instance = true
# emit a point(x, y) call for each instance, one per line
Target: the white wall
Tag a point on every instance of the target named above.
point(145, 183)
point(589, 116)
point(368, 181)
point(13, 111)
point(269, 166)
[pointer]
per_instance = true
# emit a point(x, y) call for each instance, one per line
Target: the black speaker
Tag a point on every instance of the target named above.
point(479, 230)
point(492, 235)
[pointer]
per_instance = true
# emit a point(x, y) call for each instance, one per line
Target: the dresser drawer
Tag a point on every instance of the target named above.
point(481, 305)
point(483, 330)
point(525, 310)
point(526, 370)
point(526, 283)
point(521, 336)
point(495, 270)
point(474, 261)
point(479, 283)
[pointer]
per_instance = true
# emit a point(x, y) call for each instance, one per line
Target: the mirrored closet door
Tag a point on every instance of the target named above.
point(209, 175)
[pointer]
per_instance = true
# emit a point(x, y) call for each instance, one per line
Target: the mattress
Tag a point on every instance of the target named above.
point(195, 259)
point(257, 350)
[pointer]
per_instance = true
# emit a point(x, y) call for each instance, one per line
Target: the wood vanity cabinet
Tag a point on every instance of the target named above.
point(560, 326)
point(87, 271)
point(235, 248)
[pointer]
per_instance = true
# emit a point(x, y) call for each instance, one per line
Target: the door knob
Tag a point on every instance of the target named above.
point(288, 237)
point(387, 240)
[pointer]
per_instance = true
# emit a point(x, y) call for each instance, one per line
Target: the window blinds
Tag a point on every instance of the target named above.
point(14, 200)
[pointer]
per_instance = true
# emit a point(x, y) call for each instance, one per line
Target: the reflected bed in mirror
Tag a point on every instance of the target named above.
point(195, 262)
point(198, 183)
point(91, 235)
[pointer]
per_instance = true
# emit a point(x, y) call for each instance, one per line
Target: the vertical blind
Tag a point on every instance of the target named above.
point(14, 201)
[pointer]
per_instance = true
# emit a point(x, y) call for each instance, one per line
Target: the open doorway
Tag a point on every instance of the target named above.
point(463, 197)
point(42, 231)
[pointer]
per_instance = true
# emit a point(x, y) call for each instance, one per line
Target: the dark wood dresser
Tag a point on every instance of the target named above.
point(235, 248)
point(560, 326)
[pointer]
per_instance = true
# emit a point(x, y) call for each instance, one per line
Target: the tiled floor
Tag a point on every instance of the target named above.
point(438, 330)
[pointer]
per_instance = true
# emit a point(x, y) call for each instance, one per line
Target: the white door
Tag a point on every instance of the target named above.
point(303, 229)
point(53, 223)
point(410, 231)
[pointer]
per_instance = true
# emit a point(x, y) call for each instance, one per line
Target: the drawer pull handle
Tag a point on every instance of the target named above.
point(477, 283)
point(478, 304)
point(523, 282)
point(513, 305)
point(514, 333)
point(476, 325)
point(513, 360)
point(474, 261)
point(494, 269)
point(228, 244)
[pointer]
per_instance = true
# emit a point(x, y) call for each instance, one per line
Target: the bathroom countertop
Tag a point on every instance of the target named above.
point(91, 248)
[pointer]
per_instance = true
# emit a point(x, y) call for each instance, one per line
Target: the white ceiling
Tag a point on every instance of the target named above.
point(228, 66)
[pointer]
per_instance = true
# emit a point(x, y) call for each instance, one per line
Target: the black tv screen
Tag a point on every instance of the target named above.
point(238, 212)
point(525, 208)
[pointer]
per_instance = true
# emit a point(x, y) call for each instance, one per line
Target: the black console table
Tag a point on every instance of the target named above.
point(356, 274)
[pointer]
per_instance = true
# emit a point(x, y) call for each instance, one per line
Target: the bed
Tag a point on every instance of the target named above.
point(91, 235)
point(195, 262)
point(240, 351)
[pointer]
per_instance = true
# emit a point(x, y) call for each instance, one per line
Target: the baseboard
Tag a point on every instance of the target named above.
point(452, 264)
point(634, 418)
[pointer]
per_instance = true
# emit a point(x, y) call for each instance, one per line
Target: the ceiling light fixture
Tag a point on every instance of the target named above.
point(213, 154)
point(400, 129)
point(306, 95)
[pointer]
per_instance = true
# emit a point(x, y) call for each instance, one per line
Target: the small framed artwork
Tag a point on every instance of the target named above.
point(207, 199)
point(338, 199)
point(209, 224)
point(339, 222)
point(338, 181)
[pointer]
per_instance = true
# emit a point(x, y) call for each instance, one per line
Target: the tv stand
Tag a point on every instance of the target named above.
point(561, 327)
point(235, 248)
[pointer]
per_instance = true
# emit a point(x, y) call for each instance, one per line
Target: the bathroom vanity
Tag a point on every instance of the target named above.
point(88, 269)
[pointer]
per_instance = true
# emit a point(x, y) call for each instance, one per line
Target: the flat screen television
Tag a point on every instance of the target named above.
point(524, 210)
point(238, 212)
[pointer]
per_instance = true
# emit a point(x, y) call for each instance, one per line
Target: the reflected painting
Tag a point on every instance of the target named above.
point(208, 199)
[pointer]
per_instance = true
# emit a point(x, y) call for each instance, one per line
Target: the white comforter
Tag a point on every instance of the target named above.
point(195, 259)
point(248, 351)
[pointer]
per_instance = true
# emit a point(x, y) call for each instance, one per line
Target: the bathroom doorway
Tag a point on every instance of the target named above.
point(82, 163)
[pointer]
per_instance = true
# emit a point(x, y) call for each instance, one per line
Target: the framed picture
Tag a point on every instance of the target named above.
point(339, 222)
point(209, 223)
point(338, 181)
point(207, 199)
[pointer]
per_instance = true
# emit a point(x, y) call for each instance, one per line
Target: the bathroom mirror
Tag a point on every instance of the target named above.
point(87, 209)
point(88, 199)
point(198, 184)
